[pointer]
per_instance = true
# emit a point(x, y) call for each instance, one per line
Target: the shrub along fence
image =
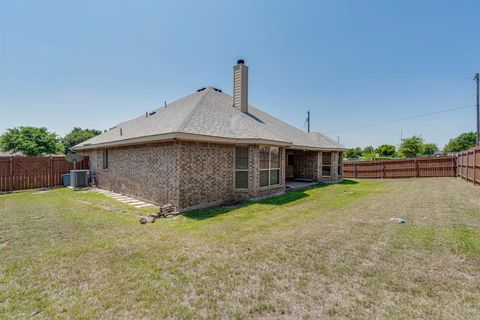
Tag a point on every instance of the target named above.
point(402, 168)
point(469, 165)
point(19, 173)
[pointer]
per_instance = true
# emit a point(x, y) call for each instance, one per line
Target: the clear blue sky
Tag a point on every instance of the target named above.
point(94, 64)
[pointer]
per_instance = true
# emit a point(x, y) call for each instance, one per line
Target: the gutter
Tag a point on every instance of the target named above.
point(295, 147)
point(180, 136)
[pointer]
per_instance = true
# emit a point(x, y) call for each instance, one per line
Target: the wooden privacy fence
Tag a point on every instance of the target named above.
point(402, 168)
point(20, 173)
point(469, 165)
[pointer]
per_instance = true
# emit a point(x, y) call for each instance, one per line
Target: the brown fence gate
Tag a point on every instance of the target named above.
point(19, 173)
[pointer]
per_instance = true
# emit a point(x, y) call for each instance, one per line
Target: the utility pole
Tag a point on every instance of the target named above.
point(477, 79)
point(308, 119)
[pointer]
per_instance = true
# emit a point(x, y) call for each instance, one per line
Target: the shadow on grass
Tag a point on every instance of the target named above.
point(348, 181)
point(286, 198)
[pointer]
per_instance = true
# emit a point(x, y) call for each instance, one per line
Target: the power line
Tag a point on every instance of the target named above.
point(401, 119)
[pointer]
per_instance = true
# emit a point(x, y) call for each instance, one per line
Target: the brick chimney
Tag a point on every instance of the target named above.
point(240, 86)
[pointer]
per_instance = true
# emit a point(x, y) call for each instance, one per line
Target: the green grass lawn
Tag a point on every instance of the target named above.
point(325, 252)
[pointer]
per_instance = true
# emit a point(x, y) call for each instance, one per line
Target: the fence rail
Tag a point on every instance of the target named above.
point(469, 165)
point(402, 168)
point(20, 173)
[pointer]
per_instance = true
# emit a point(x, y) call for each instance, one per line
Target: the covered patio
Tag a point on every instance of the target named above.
point(303, 167)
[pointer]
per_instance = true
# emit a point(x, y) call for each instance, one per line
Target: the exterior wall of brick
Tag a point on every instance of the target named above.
point(206, 173)
point(193, 174)
point(305, 164)
point(334, 166)
point(319, 167)
point(148, 172)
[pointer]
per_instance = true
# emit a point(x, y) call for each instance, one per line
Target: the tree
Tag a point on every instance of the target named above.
point(463, 142)
point(429, 149)
point(30, 141)
point(368, 149)
point(386, 150)
point(369, 153)
point(411, 147)
point(353, 153)
point(78, 135)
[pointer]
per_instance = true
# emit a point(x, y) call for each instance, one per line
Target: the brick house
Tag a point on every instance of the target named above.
point(208, 148)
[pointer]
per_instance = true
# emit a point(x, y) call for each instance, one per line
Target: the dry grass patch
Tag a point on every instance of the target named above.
point(326, 252)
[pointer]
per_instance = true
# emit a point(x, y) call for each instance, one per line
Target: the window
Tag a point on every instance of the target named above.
point(269, 166)
point(241, 167)
point(326, 164)
point(340, 164)
point(290, 159)
point(105, 158)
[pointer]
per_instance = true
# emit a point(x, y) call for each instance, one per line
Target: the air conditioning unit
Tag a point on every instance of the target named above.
point(79, 178)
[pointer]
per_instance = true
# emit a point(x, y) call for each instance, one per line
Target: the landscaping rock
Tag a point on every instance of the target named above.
point(165, 211)
point(398, 221)
point(168, 210)
point(147, 219)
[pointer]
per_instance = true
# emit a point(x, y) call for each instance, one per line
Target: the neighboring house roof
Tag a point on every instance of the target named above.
point(208, 115)
point(10, 154)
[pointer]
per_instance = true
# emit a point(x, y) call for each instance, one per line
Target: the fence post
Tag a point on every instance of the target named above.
point(416, 167)
point(459, 164)
point(11, 174)
point(463, 160)
point(50, 182)
point(453, 167)
point(383, 169)
point(355, 169)
point(474, 165)
point(468, 162)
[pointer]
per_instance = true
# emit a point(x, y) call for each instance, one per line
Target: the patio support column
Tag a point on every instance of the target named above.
point(320, 163)
point(254, 171)
point(318, 172)
point(283, 165)
point(340, 163)
point(333, 166)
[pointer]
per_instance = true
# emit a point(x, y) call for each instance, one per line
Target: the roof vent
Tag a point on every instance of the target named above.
point(218, 90)
point(201, 89)
point(152, 113)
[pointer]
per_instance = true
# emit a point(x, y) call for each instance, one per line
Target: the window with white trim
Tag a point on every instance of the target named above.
point(241, 167)
point(269, 166)
point(326, 164)
point(105, 158)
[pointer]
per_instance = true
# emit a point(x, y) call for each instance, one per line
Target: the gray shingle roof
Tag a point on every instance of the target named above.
point(209, 113)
